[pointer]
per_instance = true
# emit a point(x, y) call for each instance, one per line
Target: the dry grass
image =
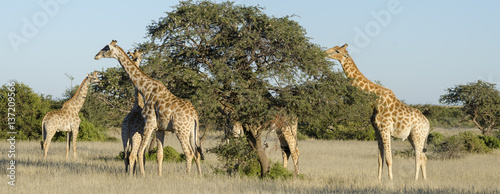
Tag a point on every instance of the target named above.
point(327, 166)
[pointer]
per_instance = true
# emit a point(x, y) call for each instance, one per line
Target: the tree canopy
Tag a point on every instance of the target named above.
point(236, 63)
point(480, 101)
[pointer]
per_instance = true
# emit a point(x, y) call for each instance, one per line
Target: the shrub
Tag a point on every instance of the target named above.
point(239, 158)
point(448, 148)
point(341, 132)
point(472, 143)
point(236, 156)
point(435, 138)
point(169, 155)
point(490, 142)
point(277, 171)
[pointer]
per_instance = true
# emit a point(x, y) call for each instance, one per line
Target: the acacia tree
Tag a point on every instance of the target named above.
point(236, 63)
point(481, 103)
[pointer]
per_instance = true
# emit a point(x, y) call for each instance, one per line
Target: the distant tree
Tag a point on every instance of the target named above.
point(236, 63)
point(481, 103)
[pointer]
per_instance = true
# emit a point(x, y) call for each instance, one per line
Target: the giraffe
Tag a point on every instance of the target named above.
point(390, 117)
point(286, 130)
point(66, 119)
point(162, 111)
point(133, 124)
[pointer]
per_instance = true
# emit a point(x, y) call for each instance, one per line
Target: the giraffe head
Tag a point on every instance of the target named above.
point(338, 53)
point(109, 51)
point(136, 57)
point(93, 78)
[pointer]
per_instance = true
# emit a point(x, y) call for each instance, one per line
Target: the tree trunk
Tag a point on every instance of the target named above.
point(253, 134)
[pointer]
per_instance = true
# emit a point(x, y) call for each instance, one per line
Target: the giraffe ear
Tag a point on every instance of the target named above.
point(113, 43)
point(343, 47)
point(95, 73)
point(87, 74)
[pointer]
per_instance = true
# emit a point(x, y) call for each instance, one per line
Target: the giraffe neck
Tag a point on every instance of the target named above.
point(138, 77)
point(358, 79)
point(139, 100)
point(79, 98)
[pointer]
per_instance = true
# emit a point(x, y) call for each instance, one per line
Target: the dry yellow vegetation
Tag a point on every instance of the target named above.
point(327, 167)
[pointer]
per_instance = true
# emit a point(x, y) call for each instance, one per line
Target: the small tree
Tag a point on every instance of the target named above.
point(481, 103)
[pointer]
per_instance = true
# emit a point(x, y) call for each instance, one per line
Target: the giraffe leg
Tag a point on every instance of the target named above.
point(125, 142)
point(68, 143)
point(126, 155)
point(386, 139)
point(420, 158)
point(380, 153)
point(159, 154)
point(291, 149)
point(135, 143)
point(46, 144)
point(150, 125)
point(285, 153)
point(186, 147)
point(198, 162)
point(295, 157)
point(75, 135)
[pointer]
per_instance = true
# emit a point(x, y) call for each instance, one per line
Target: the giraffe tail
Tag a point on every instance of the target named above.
point(195, 141)
point(43, 132)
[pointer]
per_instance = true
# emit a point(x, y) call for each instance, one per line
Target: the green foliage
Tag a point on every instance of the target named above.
point(169, 155)
point(277, 171)
point(472, 143)
point(449, 148)
point(340, 132)
point(239, 158)
point(456, 146)
point(30, 108)
point(435, 138)
point(236, 157)
point(490, 142)
point(481, 103)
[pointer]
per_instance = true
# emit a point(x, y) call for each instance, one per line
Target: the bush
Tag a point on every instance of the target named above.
point(277, 171)
point(472, 143)
point(448, 148)
point(169, 155)
point(490, 142)
point(341, 132)
point(236, 157)
point(435, 138)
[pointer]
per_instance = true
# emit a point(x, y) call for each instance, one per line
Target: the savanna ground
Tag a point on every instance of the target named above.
point(326, 166)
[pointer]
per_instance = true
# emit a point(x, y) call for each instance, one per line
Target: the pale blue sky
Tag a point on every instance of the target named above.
point(416, 48)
